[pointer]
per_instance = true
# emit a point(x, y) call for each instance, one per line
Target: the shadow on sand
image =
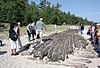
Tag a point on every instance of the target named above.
point(98, 66)
point(24, 48)
point(27, 46)
point(3, 52)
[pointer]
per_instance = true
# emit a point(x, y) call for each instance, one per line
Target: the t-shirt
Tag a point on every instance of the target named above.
point(33, 26)
point(29, 27)
point(39, 25)
point(82, 27)
point(12, 35)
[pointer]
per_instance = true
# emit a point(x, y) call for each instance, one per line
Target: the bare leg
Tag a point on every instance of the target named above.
point(14, 51)
point(11, 51)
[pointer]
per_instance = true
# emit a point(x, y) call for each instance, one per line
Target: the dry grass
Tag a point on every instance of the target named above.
point(48, 29)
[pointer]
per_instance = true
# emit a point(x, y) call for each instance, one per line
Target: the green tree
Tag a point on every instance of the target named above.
point(12, 10)
point(20, 10)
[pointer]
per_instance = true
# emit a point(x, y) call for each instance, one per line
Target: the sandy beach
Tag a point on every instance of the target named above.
point(19, 61)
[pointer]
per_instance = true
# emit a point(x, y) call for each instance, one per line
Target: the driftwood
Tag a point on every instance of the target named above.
point(57, 46)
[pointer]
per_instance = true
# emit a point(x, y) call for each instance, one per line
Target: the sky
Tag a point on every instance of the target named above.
point(89, 9)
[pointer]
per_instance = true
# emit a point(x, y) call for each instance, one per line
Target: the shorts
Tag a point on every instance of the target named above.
point(13, 44)
point(40, 32)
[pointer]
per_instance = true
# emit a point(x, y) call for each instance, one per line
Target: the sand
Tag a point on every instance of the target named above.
point(19, 61)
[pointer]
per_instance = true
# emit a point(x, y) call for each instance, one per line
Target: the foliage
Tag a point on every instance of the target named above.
point(12, 11)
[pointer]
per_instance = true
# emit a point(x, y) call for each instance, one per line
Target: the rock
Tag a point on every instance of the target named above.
point(82, 60)
point(25, 53)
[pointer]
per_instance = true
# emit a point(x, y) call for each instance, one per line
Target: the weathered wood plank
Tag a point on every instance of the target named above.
point(58, 45)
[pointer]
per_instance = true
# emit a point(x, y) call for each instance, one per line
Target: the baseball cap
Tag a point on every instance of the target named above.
point(41, 19)
point(18, 23)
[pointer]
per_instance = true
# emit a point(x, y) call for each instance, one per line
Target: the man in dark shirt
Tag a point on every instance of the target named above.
point(82, 29)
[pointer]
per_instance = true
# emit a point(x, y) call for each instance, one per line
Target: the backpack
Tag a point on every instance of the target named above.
point(14, 36)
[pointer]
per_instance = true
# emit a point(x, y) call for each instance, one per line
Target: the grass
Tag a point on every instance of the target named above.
point(4, 35)
point(48, 29)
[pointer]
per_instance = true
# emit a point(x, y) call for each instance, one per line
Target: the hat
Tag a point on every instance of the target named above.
point(18, 23)
point(98, 24)
point(41, 19)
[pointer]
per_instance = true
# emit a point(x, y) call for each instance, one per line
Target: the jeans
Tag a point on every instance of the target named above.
point(29, 36)
point(99, 42)
point(19, 42)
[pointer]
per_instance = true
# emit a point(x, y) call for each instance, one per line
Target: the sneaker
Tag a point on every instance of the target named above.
point(35, 41)
point(98, 55)
point(41, 42)
point(16, 53)
point(12, 54)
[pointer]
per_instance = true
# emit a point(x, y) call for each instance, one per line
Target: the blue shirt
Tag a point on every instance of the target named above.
point(39, 25)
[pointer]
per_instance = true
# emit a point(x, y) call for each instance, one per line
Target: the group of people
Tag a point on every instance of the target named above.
point(35, 30)
point(94, 32)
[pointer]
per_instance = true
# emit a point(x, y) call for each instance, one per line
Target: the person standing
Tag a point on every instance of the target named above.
point(79, 28)
point(39, 29)
point(29, 31)
point(33, 30)
point(98, 34)
point(13, 38)
point(55, 28)
point(95, 34)
point(91, 29)
point(18, 33)
point(97, 39)
point(82, 29)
